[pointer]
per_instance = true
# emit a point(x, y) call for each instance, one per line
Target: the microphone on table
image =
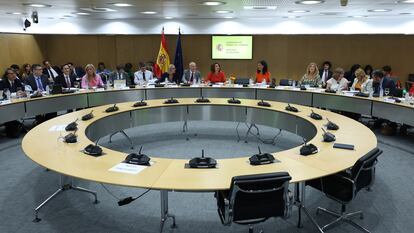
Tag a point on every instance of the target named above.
point(328, 137)
point(308, 149)
point(93, 149)
point(72, 126)
point(87, 116)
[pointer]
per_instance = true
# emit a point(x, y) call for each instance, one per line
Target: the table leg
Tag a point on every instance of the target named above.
point(63, 187)
point(300, 202)
point(164, 210)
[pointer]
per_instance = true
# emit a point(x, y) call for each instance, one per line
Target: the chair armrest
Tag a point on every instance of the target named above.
point(223, 207)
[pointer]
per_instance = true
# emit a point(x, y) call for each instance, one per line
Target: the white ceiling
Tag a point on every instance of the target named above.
point(187, 9)
point(326, 18)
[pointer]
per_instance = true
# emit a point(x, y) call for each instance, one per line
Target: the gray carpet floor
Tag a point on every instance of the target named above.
point(24, 184)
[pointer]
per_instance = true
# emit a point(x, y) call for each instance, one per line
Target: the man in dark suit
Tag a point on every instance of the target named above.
point(382, 82)
point(326, 72)
point(66, 79)
point(50, 72)
point(78, 71)
point(37, 81)
point(12, 82)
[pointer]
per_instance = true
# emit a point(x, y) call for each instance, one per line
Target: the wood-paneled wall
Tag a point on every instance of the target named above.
point(20, 49)
point(287, 55)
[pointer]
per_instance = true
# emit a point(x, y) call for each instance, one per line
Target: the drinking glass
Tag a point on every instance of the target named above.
point(386, 91)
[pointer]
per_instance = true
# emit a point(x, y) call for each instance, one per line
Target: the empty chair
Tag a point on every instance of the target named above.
point(343, 187)
point(255, 198)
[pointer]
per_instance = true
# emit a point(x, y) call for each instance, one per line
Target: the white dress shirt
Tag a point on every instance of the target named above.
point(139, 76)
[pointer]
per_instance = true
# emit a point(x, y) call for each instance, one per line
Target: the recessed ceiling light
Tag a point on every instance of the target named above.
point(379, 10)
point(148, 12)
point(291, 17)
point(229, 17)
point(82, 13)
point(51, 18)
point(309, 2)
point(329, 13)
point(168, 17)
point(406, 1)
point(223, 11)
point(260, 7)
point(357, 16)
point(68, 16)
point(405, 13)
point(121, 4)
point(298, 11)
point(36, 5)
point(212, 3)
point(13, 13)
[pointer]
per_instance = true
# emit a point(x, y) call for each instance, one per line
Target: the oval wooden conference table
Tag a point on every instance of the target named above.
point(170, 174)
point(384, 108)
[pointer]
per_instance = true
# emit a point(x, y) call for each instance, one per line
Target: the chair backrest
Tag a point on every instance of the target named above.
point(259, 196)
point(242, 80)
point(411, 77)
point(284, 82)
point(363, 172)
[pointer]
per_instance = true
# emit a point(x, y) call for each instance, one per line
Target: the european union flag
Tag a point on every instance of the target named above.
point(178, 59)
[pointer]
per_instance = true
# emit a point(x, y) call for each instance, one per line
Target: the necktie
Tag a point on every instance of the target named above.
point(143, 76)
point(119, 76)
point(12, 85)
point(68, 82)
point(39, 84)
point(326, 75)
point(192, 77)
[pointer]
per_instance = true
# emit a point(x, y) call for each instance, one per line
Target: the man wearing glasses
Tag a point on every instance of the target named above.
point(37, 81)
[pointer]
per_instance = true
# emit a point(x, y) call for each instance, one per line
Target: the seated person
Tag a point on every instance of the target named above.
point(362, 82)
point(66, 79)
point(142, 75)
point(380, 82)
point(103, 72)
point(411, 90)
point(338, 82)
point(119, 74)
point(26, 72)
point(389, 74)
point(262, 73)
point(326, 72)
point(191, 75)
point(91, 79)
point(216, 75)
point(170, 76)
point(37, 81)
point(12, 82)
point(50, 72)
point(311, 77)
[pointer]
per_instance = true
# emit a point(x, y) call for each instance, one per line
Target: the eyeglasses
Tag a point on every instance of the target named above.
point(9, 73)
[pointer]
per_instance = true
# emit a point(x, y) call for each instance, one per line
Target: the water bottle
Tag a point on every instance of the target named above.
point(47, 90)
point(294, 83)
point(406, 96)
point(381, 94)
point(7, 93)
point(371, 94)
point(263, 82)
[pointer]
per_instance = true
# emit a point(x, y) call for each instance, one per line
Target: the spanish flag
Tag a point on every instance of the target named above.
point(163, 59)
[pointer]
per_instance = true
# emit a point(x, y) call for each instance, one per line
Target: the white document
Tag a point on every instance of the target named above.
point(55, 128)
point(128, 168)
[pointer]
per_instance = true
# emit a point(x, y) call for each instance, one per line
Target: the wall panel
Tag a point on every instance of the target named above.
point(287, 55)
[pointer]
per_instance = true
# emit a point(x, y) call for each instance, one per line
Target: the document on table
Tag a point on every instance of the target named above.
point(57, 128)
point(128, 168)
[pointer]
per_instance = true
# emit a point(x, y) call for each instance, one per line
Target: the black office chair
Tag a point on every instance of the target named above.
point(344, 186)
point(255, 198)
point(285, 82)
